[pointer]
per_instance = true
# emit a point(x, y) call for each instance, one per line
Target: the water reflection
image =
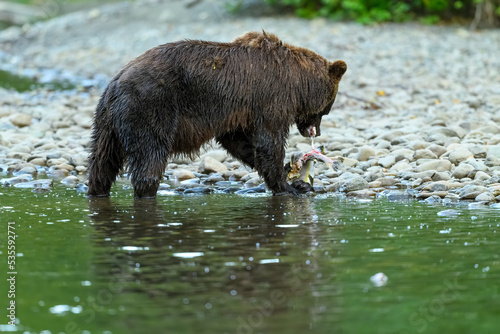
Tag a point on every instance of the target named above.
point(241, 259)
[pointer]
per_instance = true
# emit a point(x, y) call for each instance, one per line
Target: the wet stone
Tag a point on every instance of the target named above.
point(213, 178)
point(21, 120)
point(40, 184)
point(485, 197)
point(183, 174)
point(253, 190)
point(354, 183)
point(435, 165)
point(364, 193)
point(471, 191)
point(70, 181)
point(482, 176)
point(459, 154)
point(433, 199)
point(387, 161)
point(462, 171)
point(6, 182)
point(424, 154)
point(441, 176)
point(396, 195)
point(210, 165)
point(198, 190)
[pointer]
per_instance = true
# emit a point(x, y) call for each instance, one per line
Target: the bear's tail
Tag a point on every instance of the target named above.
point(106, 154)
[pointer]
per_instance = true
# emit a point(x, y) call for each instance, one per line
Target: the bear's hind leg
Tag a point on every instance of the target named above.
point(146, 169)
point(105, 161)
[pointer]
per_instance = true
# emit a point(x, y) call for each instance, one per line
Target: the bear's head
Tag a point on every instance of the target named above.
point(309, 126)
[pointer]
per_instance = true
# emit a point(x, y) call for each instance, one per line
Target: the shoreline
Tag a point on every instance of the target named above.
point(438, 88)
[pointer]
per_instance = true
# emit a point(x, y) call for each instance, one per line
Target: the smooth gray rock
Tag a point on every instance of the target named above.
point(435, 165)
point(210, 165)
point(462, 171)
point(459, 154)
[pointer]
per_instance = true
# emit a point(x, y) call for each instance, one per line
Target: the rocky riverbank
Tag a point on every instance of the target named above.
point(417, 115)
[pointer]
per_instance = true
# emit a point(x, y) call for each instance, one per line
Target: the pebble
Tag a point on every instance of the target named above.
point(462, 171)
point(485, 197)
point(21, 120)
point(435, 165)
point(459, 154)
point(183, 174)
point(70, 181)
point(210, 165)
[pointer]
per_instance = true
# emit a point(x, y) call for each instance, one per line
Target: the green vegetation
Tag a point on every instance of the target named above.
point(482, 12)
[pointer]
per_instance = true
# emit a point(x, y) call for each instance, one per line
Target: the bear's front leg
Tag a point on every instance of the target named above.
point(269, 156)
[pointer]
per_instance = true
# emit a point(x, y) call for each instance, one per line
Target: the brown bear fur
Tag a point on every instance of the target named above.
point(177, 96)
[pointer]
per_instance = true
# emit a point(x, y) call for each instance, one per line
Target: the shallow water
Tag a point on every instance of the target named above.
point(19, 83)
point(238, 264)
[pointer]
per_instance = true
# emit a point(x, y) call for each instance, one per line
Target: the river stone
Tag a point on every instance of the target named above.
point(390, 135)
point(348, 162)
point(249, 176)
point(479, 152)
point(462, 171)
point(15, 180)
point(70, 181)
point(20, 120)
point(18, 155)
point(441, 176)
point(447, 132)
point(493, 129)
point(459, 154)
point(478, 164)
point(492, 161)
point(210, 165)
point(437, 149)
point(215, 177)
point(364, 193)
point(198, 190)
point(403, 153)
point(387, 161)
point(365, 153)
point(38, 184)
point(27, 170)
point(183, 174)
point(481, 176)
point(83, 121)
point(471, 191)
point(418, 144)
point(65, 166)
point(219, 155)
point(435, 165)
point(354, 183)
point(494, 151)
point(79, 159)
point(433, 199)
point(57, 161)
point(401, 166)
point(485, 197)
point(21, 148)
point(421, 175)
point(39, 161)
point(253, 182)
point(424, 154)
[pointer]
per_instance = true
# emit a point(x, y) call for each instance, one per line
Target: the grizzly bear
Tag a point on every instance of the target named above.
point(177, 96)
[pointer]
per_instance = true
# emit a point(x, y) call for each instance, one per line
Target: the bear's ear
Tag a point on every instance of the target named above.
point(337, 69)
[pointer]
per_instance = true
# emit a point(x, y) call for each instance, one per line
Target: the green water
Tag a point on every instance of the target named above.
point(9, 80)
point(234, 264)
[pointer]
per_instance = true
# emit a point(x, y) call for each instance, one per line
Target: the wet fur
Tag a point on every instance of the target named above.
point(175, 97)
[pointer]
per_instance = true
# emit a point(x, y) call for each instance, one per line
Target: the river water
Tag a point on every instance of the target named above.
point(249, 264)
